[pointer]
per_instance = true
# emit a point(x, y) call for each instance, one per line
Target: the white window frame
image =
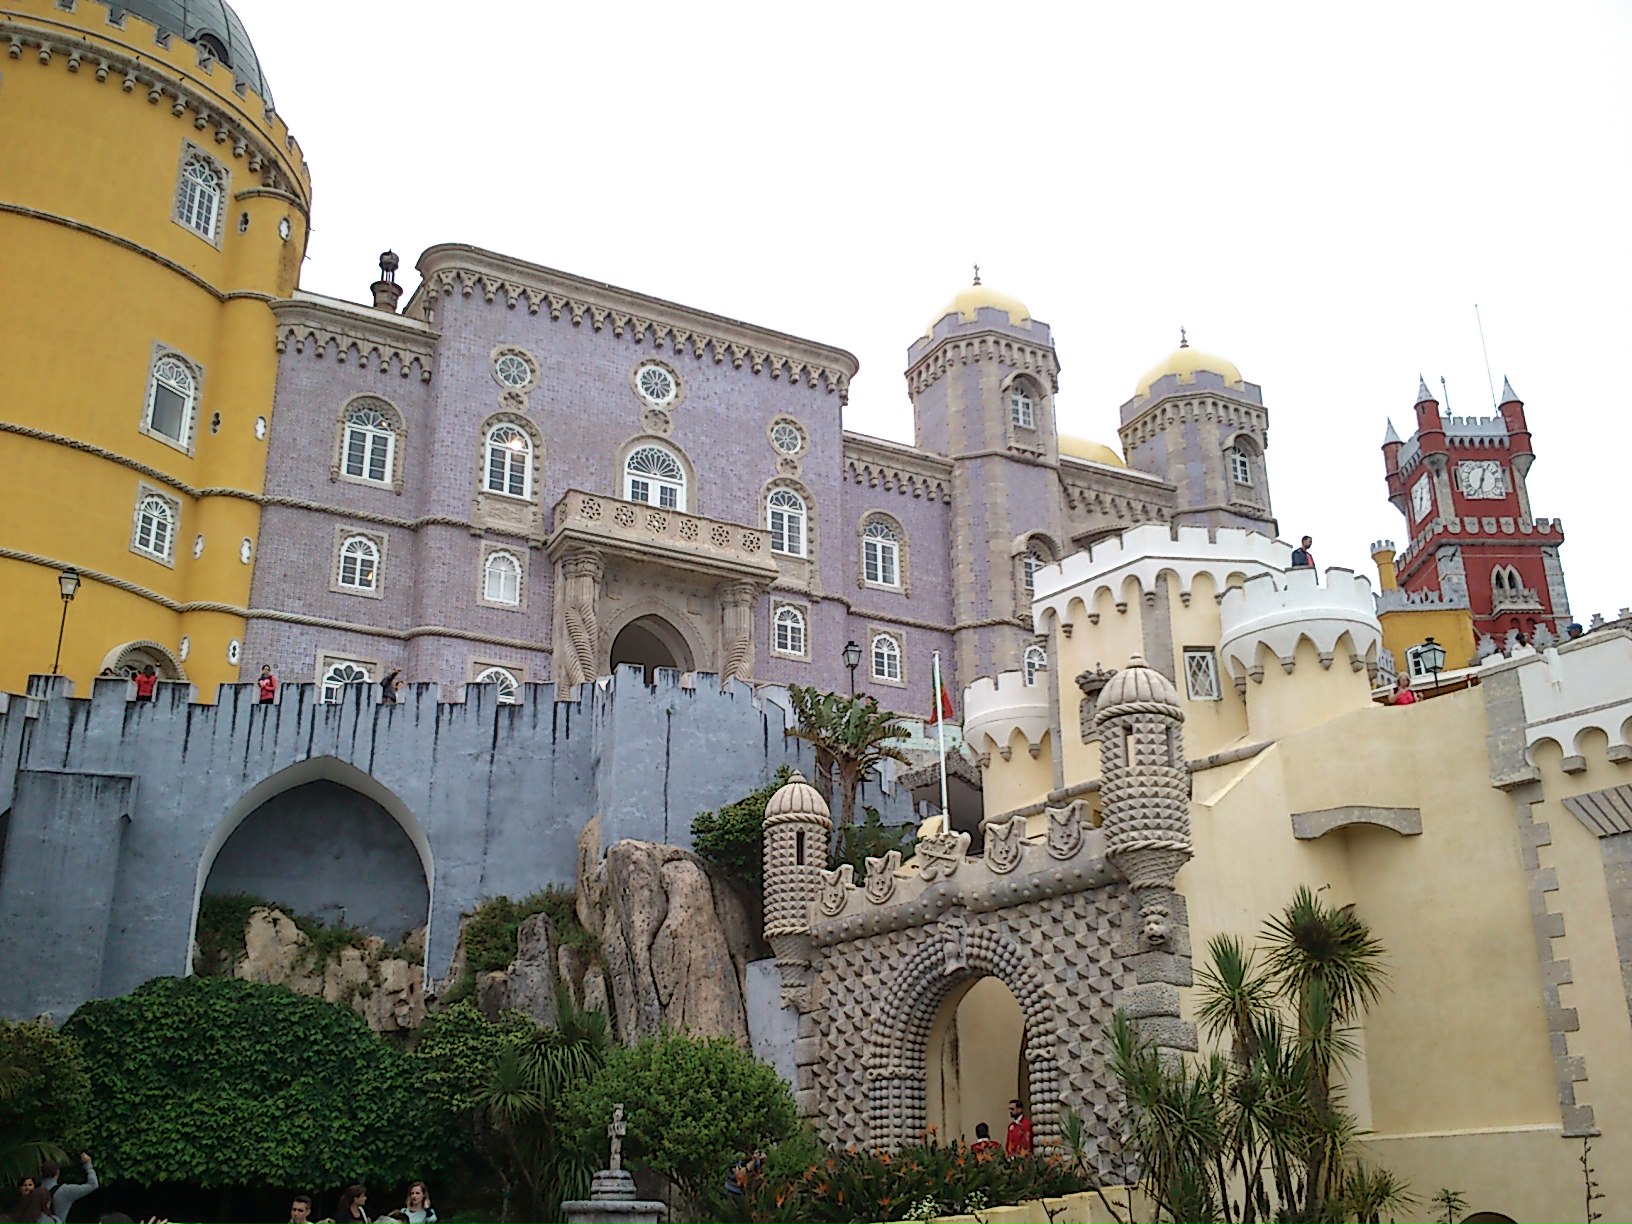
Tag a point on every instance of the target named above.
point(157, 377)
point(782, 429)
point(1030, 562)
point(880, 555)
point(1240, 466)
point(511, 458)
point(155, 525)
point(364, 551)
point(655, 484)
point(509, 683)
point(1022, 408)
point(509, 358)
point(788, 518)
point(1034, 661)
point(379, 442)
point(1201, 681)
point(884, 657)
point(795, 642)
point(1414, 662)
point(201, 198)
point(331, 686)
point(491, 568)
point(645, 391)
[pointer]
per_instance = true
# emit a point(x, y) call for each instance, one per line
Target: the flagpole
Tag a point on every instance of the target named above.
point(940, 732)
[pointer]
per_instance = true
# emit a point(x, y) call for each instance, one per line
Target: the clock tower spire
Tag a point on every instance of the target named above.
point(1461, 483)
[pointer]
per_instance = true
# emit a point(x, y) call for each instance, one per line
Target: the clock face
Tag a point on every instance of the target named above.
point(1422, 499)
point(1482, 478)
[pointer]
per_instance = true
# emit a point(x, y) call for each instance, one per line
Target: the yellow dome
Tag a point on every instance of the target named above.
point(976, 296)
point(1087, 448)
point(1185, 362)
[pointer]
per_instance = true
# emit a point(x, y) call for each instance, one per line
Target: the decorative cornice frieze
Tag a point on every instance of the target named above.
point(51, 42)
point(1032, 359)
point(877, 463)
point(1171, 413)
point(470, 270)
point(380, 339)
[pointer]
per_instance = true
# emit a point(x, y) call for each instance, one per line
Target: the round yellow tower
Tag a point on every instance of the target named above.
point(151, 205)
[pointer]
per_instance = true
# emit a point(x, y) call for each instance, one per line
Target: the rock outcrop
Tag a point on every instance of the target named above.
point(386, 991)
point(674, 939)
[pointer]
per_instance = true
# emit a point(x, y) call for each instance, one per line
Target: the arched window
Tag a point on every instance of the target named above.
point(790, 631)
point(340, 674)
point(1030, 562)
point(785, 515)
point(155, 527)
point(370, 444)
point(1021, 409)
point(654, 476)
point(1240, 466)
point(886, 654)
point(880, 554)
point(509, 686)
point(198, 204)
point(359, 564)
point(501, 578)
point(1498, 579)
point(1036, 661)
point(172, 396)
point(509, 461)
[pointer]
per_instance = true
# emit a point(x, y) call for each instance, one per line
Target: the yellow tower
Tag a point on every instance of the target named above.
point(151, 205)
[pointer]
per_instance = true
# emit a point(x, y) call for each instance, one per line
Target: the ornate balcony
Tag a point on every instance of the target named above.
point(690, 542)
point(1521, 599)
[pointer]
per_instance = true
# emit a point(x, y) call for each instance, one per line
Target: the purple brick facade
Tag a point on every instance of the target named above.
point(986, 485)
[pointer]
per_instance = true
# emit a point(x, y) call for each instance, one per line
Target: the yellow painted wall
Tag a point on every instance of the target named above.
point(1023, 778)
point(1452, 628)
point(100, 275)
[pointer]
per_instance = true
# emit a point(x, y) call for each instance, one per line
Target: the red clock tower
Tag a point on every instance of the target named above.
point(1460, 482)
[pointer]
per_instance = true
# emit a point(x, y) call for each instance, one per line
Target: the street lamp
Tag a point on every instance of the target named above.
point(1432, 655)
point(68, 583)
point(852, 660)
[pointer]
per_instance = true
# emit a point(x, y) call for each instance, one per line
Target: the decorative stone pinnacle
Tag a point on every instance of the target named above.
point(977, 274)
point(615, 1131)
point(1184, 341)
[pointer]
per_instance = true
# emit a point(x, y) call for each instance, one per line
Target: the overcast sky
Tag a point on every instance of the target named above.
point(1319, 193)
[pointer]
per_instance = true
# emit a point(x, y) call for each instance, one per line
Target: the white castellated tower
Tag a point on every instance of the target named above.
point(797, 826)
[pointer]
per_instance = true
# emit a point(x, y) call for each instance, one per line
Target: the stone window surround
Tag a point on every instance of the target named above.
point(223, 177)
point(1035, 542)
point(1031, 667)
point(1029, 435)
point(875, 632)
point(515, 350)
point(1211, 655)
point(903, 583)
point(536, 472)
point(143, 492)
point(337, 467)
point(342, 533)
point(691, 502)
point(490, 547)
point(1248, 446)
point(475, 665)
point(785, 419)
point(808, 556)
point(804, 612)
point(326, 659)
point(190, 426)
point(668, 405)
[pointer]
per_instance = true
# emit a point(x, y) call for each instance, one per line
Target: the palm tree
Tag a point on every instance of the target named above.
point(850, 735)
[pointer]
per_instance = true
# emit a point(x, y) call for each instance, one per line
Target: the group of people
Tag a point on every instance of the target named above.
point(45, 1199)
point(1016, 1143)
point(266, 684)
point(353, 1208)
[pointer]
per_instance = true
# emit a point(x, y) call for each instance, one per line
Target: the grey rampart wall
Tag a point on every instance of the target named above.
point(119, 810)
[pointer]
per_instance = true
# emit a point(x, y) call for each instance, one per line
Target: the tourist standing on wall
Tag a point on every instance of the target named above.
point(1303, 556)
point(1018, 1142)
point(389, 687)
point(1402, 691)
point(267, 684)
point(146, 681)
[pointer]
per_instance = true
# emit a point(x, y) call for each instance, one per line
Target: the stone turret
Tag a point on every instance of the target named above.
point(797, 825)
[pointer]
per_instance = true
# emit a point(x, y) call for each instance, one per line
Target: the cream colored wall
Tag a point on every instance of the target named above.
point(1209, 726)
point(1281, 704)
point(1020, 780)
point(974, 1061)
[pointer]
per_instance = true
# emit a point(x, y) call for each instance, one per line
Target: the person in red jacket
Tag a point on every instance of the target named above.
point(1018, 1142)
point(268, 684)
point(146, 681)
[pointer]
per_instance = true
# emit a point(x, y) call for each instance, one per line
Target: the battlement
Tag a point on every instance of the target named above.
point(1571, 694)
point(995, 707)
point(1547, 530)
point(1469, 428)
point(1278, 611)
point(1147, 552)
point(1378, 546)
point(1411, 601)
point(85, 35)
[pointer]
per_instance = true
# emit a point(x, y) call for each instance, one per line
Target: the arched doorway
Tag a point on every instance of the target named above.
point(329, 841)
point(132, 657)
point(975, 1061)
point(651, 642)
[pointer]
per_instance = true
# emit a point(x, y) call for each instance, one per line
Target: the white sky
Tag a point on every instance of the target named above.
point(1319, 193)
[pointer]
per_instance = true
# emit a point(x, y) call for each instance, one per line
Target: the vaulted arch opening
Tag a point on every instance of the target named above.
point(975, 1061)
point(651, 642)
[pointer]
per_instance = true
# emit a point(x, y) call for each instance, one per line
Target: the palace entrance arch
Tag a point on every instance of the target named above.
point(651, 642)
point(975, 1061)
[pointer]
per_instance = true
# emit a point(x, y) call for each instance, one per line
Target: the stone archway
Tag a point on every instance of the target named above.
point(650, 640)
point(131, 657)
point(953, 954)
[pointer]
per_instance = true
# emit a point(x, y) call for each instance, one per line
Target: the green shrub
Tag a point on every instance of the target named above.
point(733, 838)
point(223, 917)
point(45, 1097)
point(490, 934)
point(872, 838)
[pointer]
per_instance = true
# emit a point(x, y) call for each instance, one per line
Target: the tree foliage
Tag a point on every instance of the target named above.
point(733, 838)
point(220, 1082)
point(691, 1105)
point(850, 735)
point(489, 937)
point(1260, 1133)
point(44, 1098)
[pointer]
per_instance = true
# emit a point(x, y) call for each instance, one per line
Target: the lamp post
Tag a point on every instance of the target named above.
point(852, 660)
point(67, 583)
point(1433, 657)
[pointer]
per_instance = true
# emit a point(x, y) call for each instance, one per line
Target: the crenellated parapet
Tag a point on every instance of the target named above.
point(995, 707)
point(1137, 561)
point(1453, 530)
point(1399, 600)
point(1275, 612)
point(1566, 695)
